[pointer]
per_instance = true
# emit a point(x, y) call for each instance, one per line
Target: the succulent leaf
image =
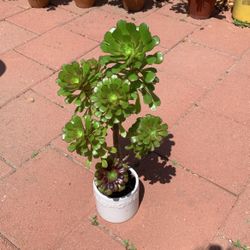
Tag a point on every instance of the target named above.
point(86, 136)
point(146, 134)
point(127, 46)
point(77, 80)
point(112, 177)
point(111, 100)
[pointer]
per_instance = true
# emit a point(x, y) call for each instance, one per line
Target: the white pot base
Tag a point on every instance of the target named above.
point(118, 210)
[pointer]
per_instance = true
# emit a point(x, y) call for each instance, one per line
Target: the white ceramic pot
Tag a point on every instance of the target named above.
point(118, 210)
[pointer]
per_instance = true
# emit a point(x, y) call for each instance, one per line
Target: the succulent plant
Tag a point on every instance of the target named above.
point(77, 81)
point(87, 139)
point(112, 100)
point(146, 135)
point(127, 46)
point(112, 178)
point(106, 92)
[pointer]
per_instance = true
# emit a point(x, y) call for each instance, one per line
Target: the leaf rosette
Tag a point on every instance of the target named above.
point(112, 100)
point(127, 46)
point(146, 135)
point(77, 81)
point(111, 179)
point(129, 43)
point(86, 136)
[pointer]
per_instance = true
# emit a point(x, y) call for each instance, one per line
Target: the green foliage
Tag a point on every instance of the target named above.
point(127, 46)
point(86, 136)
point(146, 135)
point(129, 245)
point(106, 92)
point(111, 100)
point(77, 81)
point(111, 177)
point(34, 154)
point(241, 23)
point(94, 221)
point(240, 246)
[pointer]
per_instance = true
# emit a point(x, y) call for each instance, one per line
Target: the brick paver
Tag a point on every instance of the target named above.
point(160, 24)
point(47, 207)
point(4, 169)
point(86, 25)
point(8, 10)
point(48, 89)
point(12, 36)
point(239, 216)
point(54, 43)
point(177, 206)
point(41, 21)
point(94, 238)
point(229, 100)
point(27, 124)
point(21, 73)
point(214, 147)
point(195, 199)
point(231, 41)
point(189, 62)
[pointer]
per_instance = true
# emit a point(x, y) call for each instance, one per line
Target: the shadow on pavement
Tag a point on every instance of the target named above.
point(182, 8)
point(214, 247)
point(55, 3)
point(154, 168)
point(149, 4)
point(2, 67)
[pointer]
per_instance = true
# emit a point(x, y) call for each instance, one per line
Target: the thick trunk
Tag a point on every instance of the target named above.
point(116, 140)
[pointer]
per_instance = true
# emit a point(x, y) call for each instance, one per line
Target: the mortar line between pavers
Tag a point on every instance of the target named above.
point(182, 19)
point(24, 91)
point(56, 69)
point(229, 213)
point(71, 158)
point(9, 242)
point(110, 233)
point(11, 15)
point(21, 27)
point(178, 165)
point(85, 53)
point(57, 26)
point(235, 57)
point(30, 58)
point(77, 224)
point(85, 36)
point(49, 100)
point(206, 92)
point(9, 163)
point(2, 179)
point(180, 41)
point(223, 116)
point(37, 152)
point(223, 223)
point(39, 34)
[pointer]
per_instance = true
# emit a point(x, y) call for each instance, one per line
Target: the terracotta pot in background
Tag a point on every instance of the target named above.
point(38, 3)
point(84, 3)
point(201, 9)
point(133, 5)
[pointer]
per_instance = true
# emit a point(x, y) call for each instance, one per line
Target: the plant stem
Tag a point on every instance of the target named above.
point(116, 140)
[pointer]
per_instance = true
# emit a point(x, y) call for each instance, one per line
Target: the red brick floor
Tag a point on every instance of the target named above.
point(196, 187)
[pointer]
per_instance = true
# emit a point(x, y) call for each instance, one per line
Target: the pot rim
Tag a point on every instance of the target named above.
point(133, 172)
